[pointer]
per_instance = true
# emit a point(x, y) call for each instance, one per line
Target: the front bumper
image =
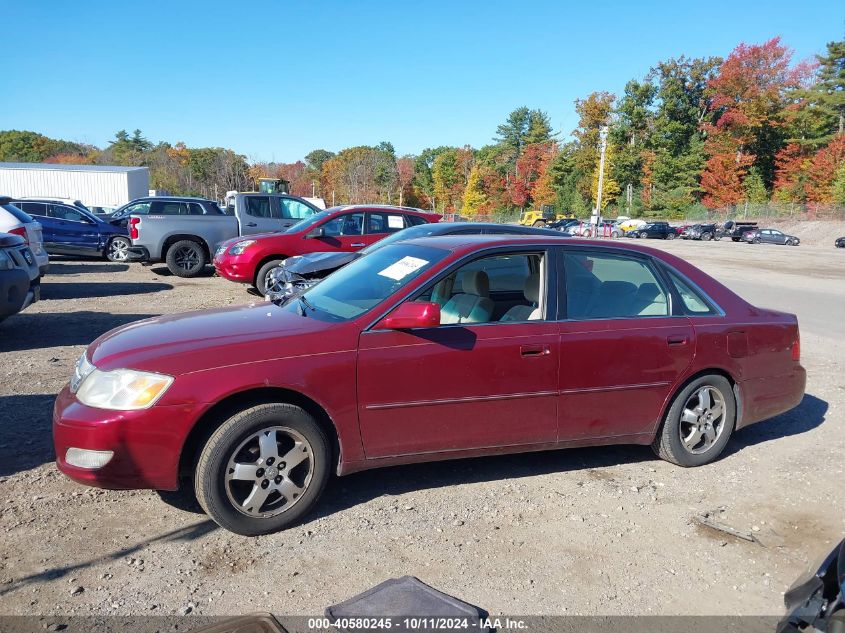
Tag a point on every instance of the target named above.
point(147, 444)
point(230, 267)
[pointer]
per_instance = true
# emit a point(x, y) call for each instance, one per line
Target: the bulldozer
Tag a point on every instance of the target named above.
point(546, 214)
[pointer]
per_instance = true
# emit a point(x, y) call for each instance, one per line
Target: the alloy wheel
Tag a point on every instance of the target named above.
point(269, 471)
point(702, 419)
point(118, 250)
point(187, 258)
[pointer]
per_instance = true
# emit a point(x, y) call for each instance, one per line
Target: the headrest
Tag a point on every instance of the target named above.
point(648, 291)
point(617, 288)
point(476, 282)
point(532, 288)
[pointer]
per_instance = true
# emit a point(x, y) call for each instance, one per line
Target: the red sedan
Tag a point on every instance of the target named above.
point(250, 259)
point(428, 349)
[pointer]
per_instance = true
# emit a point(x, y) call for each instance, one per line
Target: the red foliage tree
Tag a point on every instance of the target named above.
point(823, 169)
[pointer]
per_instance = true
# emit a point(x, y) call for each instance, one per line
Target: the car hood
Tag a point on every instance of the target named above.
point(318, 262)
point(251, 236)
point(183, 343)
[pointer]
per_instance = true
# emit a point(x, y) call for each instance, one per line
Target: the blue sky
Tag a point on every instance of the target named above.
point(276, 79)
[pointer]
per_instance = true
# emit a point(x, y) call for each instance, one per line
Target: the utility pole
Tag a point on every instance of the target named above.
point(597, 211)
point(313, 190)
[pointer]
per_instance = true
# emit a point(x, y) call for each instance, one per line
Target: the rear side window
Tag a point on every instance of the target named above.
point(609, 286)
point(33, 208)
point(259, 207)
point(380, 222)
point(168, 208)
point(693, 300)
point(414, 220)
point(347, 224)
point(16, 213)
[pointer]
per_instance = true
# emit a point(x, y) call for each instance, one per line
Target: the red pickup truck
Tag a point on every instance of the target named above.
point(250, 259)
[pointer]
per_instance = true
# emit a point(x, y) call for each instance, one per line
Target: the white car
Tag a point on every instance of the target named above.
point(16, 222)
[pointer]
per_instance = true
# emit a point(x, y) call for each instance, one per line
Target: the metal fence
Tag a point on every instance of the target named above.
point(772, 210)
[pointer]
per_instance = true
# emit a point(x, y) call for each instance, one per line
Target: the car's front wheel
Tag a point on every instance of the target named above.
point(699, 422)
point(263, 469)
point(262, 277)
point(118, 249)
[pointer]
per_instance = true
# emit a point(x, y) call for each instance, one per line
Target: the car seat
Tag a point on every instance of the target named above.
point(473, 305)
point(531, 312)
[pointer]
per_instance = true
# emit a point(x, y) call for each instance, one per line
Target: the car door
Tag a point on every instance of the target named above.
point(478, 384)
point(623, 344)
point(344, 232)
point(73, 231)
point(292, 211)
point(262, 214)
point(380, 224)
point(776, 237)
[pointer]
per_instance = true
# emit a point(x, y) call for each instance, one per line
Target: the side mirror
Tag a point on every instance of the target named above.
point(315, 233)
point(412, 314)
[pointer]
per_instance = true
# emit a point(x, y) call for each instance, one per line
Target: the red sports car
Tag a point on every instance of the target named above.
point(428, 349)
point(250, 259)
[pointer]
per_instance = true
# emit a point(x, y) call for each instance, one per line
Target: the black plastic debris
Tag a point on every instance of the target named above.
point(406, 601)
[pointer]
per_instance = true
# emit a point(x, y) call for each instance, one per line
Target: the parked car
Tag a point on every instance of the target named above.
point(185, 234)
point(563, 225)
point(17, 222)
point(840, 242)
point(339, 229)
point(769, 236)
point(73, 230)
point(654, 230)
point(704, 232)
point(735, 229)
point(20, 279)
point(426, 349)
point(816, 600)
point(142, 206)
point(299, 272)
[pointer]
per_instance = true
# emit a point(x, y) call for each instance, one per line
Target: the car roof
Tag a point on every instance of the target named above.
point(468, 243)
point(445, 228)
point(379, 207)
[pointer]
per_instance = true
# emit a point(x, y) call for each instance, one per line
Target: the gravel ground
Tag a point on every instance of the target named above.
point(586, 531)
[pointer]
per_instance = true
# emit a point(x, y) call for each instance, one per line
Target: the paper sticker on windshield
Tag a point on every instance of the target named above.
point(403, 268)
point(395, 222)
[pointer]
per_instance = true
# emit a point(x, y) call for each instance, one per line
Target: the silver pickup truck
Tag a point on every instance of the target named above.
point(184, 232)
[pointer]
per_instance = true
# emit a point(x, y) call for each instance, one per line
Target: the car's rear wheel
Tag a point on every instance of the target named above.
point(706, 236)
point(793, 242)
point(262, 277)
point(186, 258)
point(699, 422)
point(263, 469)
point(670, 236)
point(118, 249)
point(756, 240)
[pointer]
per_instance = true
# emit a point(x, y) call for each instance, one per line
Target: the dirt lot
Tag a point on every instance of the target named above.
point(591, 531)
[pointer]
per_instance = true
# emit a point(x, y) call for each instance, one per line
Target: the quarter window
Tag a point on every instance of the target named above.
point(692, 300)
point(607, 286)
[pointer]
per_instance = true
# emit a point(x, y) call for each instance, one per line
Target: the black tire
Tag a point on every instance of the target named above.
point(736, 239)
point(261, 275)
point(670, 236)
point(667, 443)
point(117, 249)
point(707, 236)
point(186, 258)
point(717, 237)
point(229, 441)
point(756, 240)
point(793, 242)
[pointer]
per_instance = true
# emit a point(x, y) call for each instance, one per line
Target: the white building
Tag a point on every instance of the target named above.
point(93, 185)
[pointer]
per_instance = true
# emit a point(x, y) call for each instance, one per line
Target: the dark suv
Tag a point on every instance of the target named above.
point(654, 230)
point(157, 205)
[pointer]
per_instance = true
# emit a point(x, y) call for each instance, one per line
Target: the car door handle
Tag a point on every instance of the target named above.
point(251, 224)
point(676, 341)
point(356, 244)
point(530, 351)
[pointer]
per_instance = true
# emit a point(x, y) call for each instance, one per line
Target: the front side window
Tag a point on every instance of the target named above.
point(294, 209)
point(142, 208)
point(347, 224)
point(609, 286)
point(260, 207)
point(502, 287)
point(366, 282)
point(61, 212)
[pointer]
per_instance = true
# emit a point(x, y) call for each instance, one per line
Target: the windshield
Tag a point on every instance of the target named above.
point(307, 223)
point(366, 282)
point(421, 230)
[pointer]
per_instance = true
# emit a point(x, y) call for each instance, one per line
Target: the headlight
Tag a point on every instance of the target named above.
point(122, 389)
point(5, 261)
point(239, 248)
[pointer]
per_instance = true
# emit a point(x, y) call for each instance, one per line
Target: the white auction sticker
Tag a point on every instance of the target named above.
point(403, 268)
point(395, 222)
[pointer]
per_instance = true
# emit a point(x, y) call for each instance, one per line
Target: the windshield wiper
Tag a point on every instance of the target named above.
point(305, 304)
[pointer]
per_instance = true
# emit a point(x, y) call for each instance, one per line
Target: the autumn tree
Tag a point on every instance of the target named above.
point(474, 199)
